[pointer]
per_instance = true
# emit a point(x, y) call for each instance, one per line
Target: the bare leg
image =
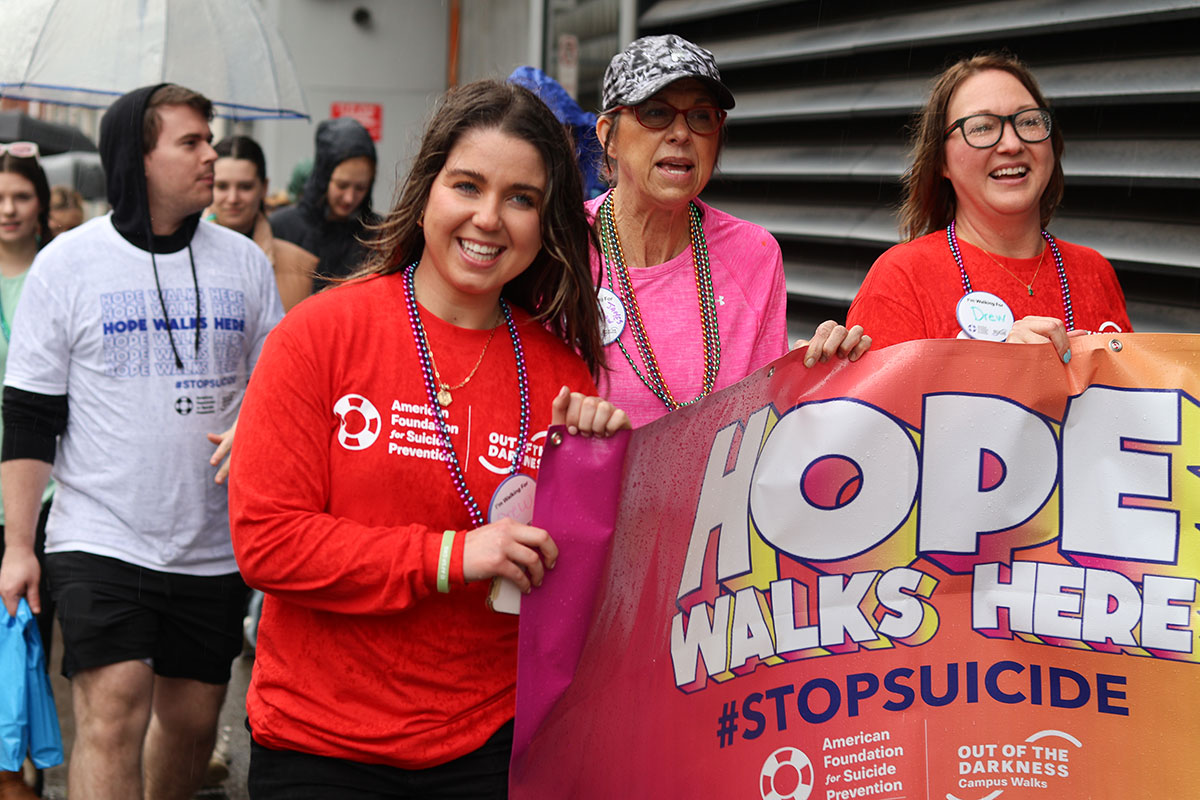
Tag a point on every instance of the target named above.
point(180, 738)
point(112, 709)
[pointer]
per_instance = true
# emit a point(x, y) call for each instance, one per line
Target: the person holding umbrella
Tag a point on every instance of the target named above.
point(134, 340)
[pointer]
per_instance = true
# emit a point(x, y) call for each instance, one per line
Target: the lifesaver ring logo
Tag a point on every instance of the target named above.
point(360, 422)
point(787, 774)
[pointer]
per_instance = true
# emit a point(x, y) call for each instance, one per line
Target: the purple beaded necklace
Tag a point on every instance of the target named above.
point(1068, 311)
point(439, 413)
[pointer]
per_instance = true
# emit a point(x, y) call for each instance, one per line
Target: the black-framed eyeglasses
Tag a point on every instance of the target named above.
point(984, 130)
point(657, 115)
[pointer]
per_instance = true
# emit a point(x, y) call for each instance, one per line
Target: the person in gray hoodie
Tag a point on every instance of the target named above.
point(331, 216)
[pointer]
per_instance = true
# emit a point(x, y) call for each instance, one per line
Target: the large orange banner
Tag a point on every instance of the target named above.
point(953, 570)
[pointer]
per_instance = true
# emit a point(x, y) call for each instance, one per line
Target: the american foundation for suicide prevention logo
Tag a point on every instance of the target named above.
point(360, 422)
point(787, 774)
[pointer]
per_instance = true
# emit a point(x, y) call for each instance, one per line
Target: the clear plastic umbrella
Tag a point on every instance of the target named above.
point(89, 52)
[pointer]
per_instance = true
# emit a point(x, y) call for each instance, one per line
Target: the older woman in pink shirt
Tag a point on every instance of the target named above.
point(693, 298)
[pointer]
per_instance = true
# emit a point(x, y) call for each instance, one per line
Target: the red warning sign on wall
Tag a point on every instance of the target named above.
point(369, 114)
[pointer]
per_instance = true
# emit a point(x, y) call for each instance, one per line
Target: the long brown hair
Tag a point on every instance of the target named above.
point(929, 202)
point(557, 288)
point(29, 169)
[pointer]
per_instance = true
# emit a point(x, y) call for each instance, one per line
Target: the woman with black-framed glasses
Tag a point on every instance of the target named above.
point(693, 298)
point(976, 261)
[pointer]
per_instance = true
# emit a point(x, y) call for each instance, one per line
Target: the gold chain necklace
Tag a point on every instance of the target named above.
point(444, 397)
point(1028, 286)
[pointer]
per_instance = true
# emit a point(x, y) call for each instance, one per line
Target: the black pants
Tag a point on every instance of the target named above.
point(287, 775)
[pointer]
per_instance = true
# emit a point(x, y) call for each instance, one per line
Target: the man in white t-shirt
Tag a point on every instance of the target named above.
point(131, 348)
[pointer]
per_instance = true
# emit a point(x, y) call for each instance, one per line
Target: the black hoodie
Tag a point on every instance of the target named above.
point(306, 223)
point(122, 154)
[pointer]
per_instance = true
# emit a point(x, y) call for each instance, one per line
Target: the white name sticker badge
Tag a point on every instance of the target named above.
point(983, 315)
point(513, 498)
point(612, 316)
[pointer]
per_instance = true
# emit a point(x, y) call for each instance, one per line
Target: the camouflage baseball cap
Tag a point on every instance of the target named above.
point(648, 65)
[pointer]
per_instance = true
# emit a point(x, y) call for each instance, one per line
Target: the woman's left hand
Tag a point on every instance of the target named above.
point(587, 416)
point(831, 339)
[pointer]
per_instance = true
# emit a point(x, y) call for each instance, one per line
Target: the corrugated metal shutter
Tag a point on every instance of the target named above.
point(826, 89)
point(594, 22)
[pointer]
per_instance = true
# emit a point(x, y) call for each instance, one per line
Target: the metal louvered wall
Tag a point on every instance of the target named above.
point(825, 91)
point(595, 24)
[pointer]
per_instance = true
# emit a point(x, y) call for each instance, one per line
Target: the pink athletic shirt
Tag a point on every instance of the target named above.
point(751, 297)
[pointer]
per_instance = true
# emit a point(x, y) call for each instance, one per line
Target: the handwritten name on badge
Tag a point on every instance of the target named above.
point(983, 315)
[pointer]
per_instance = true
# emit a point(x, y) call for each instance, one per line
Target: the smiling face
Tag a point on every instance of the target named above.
point(179, 170)
point(1005, 182)
point(662, 168)
point(238, 191)
point(348, 185)
point(482, 225)
point(18, 209)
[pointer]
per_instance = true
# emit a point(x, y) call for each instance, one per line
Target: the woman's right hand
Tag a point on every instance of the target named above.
point(509, 549)
point(20, 573)
point(1039, 330)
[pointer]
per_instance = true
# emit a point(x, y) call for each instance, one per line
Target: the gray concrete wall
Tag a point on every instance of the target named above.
point(495, 36)
point(399, 61)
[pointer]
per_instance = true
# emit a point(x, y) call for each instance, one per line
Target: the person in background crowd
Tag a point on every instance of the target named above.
point(694, 298)
point(134, 339)
point(580, 123)
point(986, 179)
point(380, 670)
point(25, 228)
point(66, 209)
point(239, 187)
point(332, 215)
point(297, 180)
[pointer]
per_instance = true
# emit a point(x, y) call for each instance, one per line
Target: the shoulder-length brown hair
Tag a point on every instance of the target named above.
point(557, 288)
point(928, 196)
point(29, 169)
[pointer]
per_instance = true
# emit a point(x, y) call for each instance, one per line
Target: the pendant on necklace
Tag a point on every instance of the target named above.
point(443, 396)
point(1030, 288)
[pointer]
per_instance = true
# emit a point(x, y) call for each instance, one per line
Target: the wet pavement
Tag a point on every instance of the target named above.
point(232, 734)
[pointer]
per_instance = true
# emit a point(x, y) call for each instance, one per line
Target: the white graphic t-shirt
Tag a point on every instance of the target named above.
point(132, 465)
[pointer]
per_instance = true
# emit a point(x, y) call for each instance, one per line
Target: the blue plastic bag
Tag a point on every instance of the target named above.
point(28, 718)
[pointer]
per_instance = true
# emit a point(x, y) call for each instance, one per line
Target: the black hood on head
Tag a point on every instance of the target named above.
point(337, 140)
point(125, 170)
point(121, 154)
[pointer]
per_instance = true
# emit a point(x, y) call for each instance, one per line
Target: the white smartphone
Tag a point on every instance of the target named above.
point(504, 597)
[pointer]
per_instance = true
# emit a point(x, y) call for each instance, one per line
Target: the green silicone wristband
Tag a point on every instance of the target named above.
point(443, 574)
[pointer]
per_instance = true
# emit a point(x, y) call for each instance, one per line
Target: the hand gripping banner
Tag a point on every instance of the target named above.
point(953, 570)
